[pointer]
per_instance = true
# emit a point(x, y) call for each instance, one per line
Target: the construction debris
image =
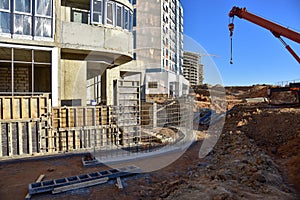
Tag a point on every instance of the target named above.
point(90, 179)
point(80, 185)
point(119, 183)
point(40, 178)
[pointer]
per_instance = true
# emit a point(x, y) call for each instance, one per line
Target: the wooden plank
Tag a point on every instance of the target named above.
point(25, 107)
point(35, 107)
point(20, 138)
point(119, 183)
point(6, 108)
point(79, 185)
point(40, 178)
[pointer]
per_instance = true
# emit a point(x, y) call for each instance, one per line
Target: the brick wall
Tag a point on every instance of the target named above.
point(22, 80)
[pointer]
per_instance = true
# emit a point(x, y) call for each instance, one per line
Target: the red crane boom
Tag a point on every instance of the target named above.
point(276, 29)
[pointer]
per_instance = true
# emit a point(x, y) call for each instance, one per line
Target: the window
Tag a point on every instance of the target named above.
point(5, 16)
point(110, 13)
point(22, 17)
point(126, 19)
point(26, 70)
point(80, 16)
point(97, 11)
point(30, 17)
point(43, 18)
point(152, 85)
point(119, 16)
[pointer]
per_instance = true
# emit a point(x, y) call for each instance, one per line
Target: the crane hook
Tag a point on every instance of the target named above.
point(231, 28)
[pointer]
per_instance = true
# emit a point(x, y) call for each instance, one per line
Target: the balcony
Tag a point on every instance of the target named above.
point(86, 27)
point(96, 38)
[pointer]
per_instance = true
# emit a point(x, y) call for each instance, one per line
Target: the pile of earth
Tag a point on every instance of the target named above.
point(242, 165)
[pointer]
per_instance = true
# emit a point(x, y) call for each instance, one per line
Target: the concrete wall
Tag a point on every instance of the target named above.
point(73, 80)
point(86, 37)
point(162, 80)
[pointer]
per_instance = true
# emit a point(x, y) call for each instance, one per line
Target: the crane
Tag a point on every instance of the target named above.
point(276, 29)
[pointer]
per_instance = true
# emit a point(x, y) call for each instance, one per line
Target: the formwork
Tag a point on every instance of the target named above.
point(24, 122)
point(88, 127)
point(30, 126)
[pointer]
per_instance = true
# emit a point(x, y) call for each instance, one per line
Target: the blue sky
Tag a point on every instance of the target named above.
point(258, 56)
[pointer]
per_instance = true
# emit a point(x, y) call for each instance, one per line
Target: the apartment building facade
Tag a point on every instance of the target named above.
point(158, 46)
point(71, 49)
point(192, 68)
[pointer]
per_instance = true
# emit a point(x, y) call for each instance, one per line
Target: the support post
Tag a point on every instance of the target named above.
point(154, 114)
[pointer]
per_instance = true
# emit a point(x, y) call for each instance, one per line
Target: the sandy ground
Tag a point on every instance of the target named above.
point(256, 157)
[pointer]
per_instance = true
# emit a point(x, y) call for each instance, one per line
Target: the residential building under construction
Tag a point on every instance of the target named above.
point(192, 68)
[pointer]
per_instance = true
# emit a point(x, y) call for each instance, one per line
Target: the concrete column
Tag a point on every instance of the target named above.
point(54, 75)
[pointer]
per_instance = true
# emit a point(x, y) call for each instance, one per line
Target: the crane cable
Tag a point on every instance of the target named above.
point(231, 28)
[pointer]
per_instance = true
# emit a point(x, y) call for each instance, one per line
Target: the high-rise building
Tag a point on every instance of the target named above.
point(158, 46)
point(192, 68)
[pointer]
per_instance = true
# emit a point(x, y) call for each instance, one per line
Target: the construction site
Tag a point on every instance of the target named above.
point(89, 118)
point(256, 157)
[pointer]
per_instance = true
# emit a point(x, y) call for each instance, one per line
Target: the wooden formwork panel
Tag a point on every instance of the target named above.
point(21, 138)
point(80, 116)
point(19, 107)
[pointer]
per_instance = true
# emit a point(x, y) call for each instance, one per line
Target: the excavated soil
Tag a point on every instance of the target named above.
point(256, 157)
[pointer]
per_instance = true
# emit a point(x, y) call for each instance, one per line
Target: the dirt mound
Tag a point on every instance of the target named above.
point(238, 168)
point(283, 97)
point(258, 91)
point(277, 131)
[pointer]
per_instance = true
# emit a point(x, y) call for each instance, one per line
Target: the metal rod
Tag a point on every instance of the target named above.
point(12, 71)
